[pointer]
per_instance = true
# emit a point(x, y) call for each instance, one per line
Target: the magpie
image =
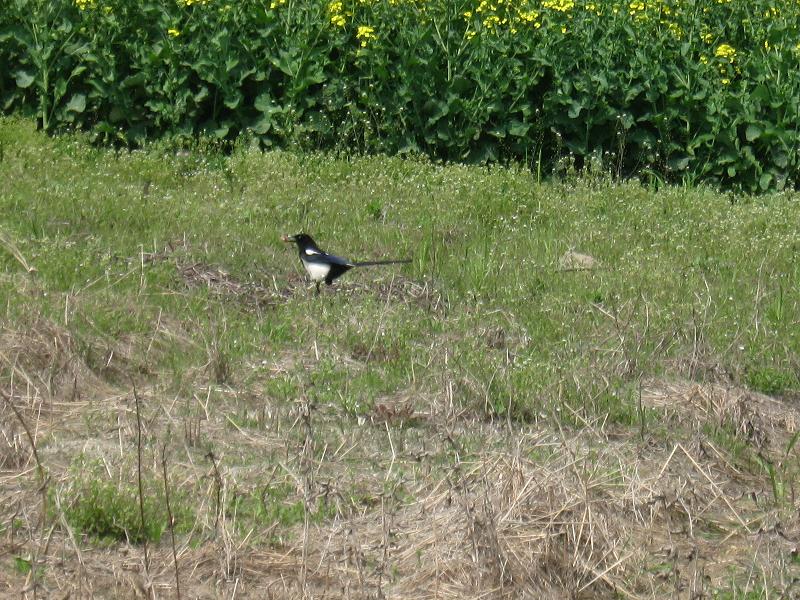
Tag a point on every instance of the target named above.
point(322, 266)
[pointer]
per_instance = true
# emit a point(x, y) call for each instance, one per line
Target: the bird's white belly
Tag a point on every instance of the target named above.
point(317, 271)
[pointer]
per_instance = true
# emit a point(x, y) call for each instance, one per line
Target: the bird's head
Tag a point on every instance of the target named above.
point(301, 239)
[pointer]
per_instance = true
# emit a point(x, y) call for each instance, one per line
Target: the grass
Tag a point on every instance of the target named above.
point(109, 510)
point(575, 343)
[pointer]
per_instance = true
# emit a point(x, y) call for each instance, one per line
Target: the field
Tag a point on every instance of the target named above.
point(577, 388)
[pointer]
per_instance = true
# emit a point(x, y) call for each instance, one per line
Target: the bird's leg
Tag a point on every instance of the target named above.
point(317, 288)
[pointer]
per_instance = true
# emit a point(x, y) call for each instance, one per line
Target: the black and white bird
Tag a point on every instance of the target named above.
point(322, 266)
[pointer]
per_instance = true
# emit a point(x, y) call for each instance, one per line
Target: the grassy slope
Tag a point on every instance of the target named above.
point(488, 360)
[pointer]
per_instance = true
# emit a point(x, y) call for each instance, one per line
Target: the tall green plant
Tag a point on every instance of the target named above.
point(673, 88)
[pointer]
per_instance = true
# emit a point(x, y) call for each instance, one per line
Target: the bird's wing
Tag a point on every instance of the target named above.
point(330, 259)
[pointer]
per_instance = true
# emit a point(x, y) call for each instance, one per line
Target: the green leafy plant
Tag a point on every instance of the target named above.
point(661, 89)
point(277, 504)
point(109, 509)
point(770, 381)
point(22, 565)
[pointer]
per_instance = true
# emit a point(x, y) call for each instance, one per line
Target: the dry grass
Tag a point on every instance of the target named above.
point(451, 507)
point(766, 423)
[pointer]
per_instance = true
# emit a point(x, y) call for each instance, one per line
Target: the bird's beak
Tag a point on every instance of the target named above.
point(287, 238)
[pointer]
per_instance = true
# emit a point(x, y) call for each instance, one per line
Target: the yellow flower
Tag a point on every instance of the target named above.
point(726, 81)
point(84, 4)
point(491, 21)
point(725, 51)
point(276, 4)
point(172, 32)
point(635, 6)
point(336, 14)
point(675, 29)
point(365, 33)
point(559, 5)
point(707, 38)
point(704, 59)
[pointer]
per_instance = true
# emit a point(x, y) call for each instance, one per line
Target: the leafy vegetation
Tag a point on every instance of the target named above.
point(669, 90)
point(771, 381)
point(109, 510)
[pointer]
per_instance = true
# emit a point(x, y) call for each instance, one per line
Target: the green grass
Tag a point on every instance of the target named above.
point(108, 509)
point(683, 272)
point(167, 269)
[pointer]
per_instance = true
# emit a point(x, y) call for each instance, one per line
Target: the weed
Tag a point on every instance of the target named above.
point(769, 380)
point(106, 509)
point(726, 438)
point(109, 509)
point(276, 504)
point(22, 565)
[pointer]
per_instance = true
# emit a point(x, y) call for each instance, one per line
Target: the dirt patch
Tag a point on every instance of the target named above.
point(377, 352)
point(220, 283)
point(423, 294)
point(396, 289)
point(576, 261)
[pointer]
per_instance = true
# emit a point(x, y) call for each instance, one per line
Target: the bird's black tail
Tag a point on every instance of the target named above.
point(371, 263)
